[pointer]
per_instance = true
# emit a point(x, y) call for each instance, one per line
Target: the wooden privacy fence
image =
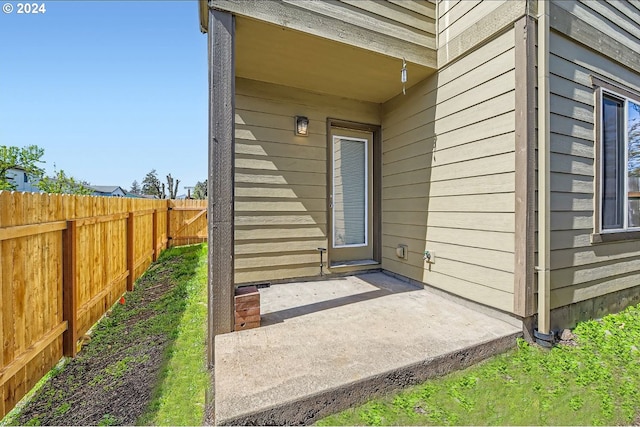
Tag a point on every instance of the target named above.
point(64, 260)
point(187, 222)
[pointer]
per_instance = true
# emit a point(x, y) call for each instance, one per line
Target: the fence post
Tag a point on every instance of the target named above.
point(154, 233)
point(168, 225)
point(69, 295)
point(131, 252)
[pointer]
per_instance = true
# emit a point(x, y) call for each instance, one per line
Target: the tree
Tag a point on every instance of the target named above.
point(135, 187)
point(152, 186)
point(60, 183)
point(200, 190)
point(26, 158)
point(173, 189)
point(634, 140)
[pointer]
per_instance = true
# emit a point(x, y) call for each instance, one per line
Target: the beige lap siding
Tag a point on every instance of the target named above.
point(457, 16)
point(449, 176)
point(581, 270)
point(463, 24)
point(280, 190)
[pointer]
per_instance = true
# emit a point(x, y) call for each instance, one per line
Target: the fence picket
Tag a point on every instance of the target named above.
point(154, 238)
point(64, 260)
point(69, 290)
point(131, 250)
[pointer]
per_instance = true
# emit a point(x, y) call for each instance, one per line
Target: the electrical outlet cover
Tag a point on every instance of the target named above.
point(402, 251)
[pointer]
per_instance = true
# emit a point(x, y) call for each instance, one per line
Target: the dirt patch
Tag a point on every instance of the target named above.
point(112, 380)
point(567, 338)
point(103, 390)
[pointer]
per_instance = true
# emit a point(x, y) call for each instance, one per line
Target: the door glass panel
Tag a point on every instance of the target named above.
point(349, 192)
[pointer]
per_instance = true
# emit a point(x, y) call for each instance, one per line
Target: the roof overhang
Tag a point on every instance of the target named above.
point(273, 53)
point(203, 14)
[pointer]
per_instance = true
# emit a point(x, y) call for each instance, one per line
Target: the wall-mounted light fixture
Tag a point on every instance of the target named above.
point(301, 126)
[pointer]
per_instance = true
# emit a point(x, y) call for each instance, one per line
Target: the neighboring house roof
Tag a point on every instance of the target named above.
point(140, 196)
point(106, 188)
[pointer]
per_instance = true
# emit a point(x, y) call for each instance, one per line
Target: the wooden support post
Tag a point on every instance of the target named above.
point(168, 225)
point(131, 252)
point(221, 176)
point(69, 294)
point(154, 233)
point(524, 303)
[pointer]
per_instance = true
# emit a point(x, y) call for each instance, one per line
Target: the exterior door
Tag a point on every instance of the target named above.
point(350, 196)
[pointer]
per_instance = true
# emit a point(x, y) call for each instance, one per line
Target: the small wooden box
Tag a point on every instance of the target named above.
point(247, 308)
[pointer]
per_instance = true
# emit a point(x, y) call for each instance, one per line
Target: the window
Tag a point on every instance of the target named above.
point(349, 192)
point(620, 162)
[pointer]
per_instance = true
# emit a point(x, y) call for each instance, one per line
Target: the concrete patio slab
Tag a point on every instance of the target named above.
point(326, 345)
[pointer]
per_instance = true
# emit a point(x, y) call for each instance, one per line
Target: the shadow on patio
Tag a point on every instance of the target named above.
point(329, 344)
point(287, 301)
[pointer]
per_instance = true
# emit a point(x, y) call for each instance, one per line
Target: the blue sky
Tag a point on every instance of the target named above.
point(110, 89)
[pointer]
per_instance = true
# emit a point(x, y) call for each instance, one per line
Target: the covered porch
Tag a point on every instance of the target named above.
point(329, 343)
point(325, 345)
point(273, 191)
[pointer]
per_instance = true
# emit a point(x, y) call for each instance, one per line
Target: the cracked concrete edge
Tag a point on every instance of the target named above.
point(310, 409)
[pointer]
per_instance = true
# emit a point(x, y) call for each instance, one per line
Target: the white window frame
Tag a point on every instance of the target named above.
point(366, 193)
point(625, 99)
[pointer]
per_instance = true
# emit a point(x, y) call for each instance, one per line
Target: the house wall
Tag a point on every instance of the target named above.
point(462, 24)
point(280, 189)
point(457, 16)
point(608, 48)
point(449, 176)
point(397, 28)
point(17, 177)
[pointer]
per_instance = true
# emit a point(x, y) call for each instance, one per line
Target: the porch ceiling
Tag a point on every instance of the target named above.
point(279, 55)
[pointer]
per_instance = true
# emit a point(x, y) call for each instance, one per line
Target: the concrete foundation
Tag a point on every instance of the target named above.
point(569, 316)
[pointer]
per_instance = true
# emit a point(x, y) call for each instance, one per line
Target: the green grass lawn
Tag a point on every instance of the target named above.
point(179, 398)
point(596, 382)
